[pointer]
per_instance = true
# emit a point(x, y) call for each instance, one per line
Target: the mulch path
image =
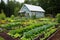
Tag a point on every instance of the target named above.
point(6, 36)
point(55, 36)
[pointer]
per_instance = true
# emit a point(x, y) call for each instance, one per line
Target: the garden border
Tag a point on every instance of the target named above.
point(52, 34)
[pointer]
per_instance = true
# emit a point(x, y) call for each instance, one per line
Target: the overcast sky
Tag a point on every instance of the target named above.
point(21, 1)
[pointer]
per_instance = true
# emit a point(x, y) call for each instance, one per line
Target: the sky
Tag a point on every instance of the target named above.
point(21, 1)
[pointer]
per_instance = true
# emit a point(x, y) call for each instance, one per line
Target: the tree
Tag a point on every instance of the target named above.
point(17, 8)
point(58, 5)
point(33, 2)
point(12, 8)
point(0, 7)
point(51, 6)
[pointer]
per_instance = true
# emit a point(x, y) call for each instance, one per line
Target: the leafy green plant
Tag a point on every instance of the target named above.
point(12, 16)
point(47, 34)
point(27, 28)
point(1, 38)
point(16, 35)
point(58, 18)
point(10, 25)
point(22, 30)
point(36, 31)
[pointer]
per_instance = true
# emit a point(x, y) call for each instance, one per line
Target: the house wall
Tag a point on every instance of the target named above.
point(38, 14)
point(29, 13)
point(26, 10)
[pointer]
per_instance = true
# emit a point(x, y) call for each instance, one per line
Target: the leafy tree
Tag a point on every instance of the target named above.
point(33, 2)
point(11, 8)
point(17, 8)
point(0, 7)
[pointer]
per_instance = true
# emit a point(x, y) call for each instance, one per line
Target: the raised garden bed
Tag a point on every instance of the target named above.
point(55, 36)
point(5, 36)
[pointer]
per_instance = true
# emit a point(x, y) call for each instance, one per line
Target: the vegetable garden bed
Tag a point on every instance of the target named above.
point(5, 36)
point(55, 36)
point(37, 29)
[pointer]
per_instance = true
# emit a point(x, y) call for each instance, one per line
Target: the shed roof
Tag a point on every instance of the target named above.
point(34, 8)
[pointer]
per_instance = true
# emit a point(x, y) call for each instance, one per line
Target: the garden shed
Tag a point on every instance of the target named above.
point(32, 10)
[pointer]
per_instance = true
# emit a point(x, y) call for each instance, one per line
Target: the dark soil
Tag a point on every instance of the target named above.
point(6, 36)
point(55, 36)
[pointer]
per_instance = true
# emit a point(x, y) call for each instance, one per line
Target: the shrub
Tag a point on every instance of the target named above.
point(34, 17)
point(3, 21)
point(2, 16)
point(12, 16)
point(58, 18)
